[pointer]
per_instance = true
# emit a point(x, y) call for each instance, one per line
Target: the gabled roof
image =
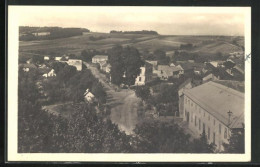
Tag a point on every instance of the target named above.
point(239, 69)
point(218, 100)
point(187, 81)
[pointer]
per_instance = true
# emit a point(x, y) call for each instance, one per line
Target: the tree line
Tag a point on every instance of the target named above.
point(134, 32)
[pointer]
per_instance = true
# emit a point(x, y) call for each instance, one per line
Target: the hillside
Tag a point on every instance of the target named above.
point(102, 41)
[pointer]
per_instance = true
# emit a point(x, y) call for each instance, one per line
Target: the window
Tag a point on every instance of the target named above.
point(204, 127)
point(195, 120)
point(219, 129)
point(191, 104)
point(191, 120)
point(225, 133)
point(199, 124)
point(140, 78)
point(208, 133)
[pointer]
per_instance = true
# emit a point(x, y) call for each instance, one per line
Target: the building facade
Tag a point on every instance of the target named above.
point(214, 109)
point(76, 63)
point(146, 74)
point(99, 58)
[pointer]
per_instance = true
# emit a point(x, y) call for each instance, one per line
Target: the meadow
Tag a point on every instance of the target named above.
point(74, 45)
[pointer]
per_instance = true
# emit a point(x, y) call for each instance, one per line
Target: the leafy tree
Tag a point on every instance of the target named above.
point(58, 66)
point(143, 92)
point(132, 63)
point(99, 93)
point(117, 64)
point(236, 142)
point(66, 73)
point(160, 137)
point(160, 55)
point(37, 59)
point(201, 145)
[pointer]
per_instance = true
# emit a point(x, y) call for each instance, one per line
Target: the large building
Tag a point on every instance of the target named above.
point(215, 109)
point(99, 58)
point(146, 74)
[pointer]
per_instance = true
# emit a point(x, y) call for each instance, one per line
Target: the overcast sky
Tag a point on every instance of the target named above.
point(164, 20)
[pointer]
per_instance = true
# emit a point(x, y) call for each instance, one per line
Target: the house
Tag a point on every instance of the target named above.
point(146, 74)
point(216, 64)
point(214, 109)
point(58, 58)
point(106, 67)
point(27, 67)
point(98, 58)
point(89, 97)
point(41, 34)
point(46, 58)
point(165, 71)
point(209, 76)
point(49, 73)
point(29, 61)
point(76, 63)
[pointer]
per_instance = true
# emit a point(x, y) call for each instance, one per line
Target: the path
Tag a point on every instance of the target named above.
point(123, 103)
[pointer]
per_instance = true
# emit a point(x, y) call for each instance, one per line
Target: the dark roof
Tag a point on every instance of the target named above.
point(191, 65)
point(218, 100)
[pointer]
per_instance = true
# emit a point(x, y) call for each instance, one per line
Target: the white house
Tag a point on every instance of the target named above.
point(89, 97)
point(146, 74)
point(41, 33)
point(51, 73)
point(76, 63)
point(58, 58)
point(46, 58)
point(99, 58)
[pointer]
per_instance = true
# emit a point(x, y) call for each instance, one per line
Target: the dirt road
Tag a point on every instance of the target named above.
point(123, 103)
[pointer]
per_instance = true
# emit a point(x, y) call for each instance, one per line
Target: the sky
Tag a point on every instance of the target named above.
point(164, 20)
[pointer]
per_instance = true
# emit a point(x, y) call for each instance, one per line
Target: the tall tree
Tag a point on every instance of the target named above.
point(160, 55)
point(236, 142)
point(201, 145)
point(132, 64)
point(124, 61)
point(143, 92)
point(160, 137)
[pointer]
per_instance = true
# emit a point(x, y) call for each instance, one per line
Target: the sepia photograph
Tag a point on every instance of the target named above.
point(106, 83)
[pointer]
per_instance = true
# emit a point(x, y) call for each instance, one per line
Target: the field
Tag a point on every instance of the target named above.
point(74, 45)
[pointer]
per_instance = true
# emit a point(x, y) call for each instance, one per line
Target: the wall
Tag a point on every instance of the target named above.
point(200, 116)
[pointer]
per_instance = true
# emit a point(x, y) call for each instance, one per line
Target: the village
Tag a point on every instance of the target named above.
point(201, 97)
